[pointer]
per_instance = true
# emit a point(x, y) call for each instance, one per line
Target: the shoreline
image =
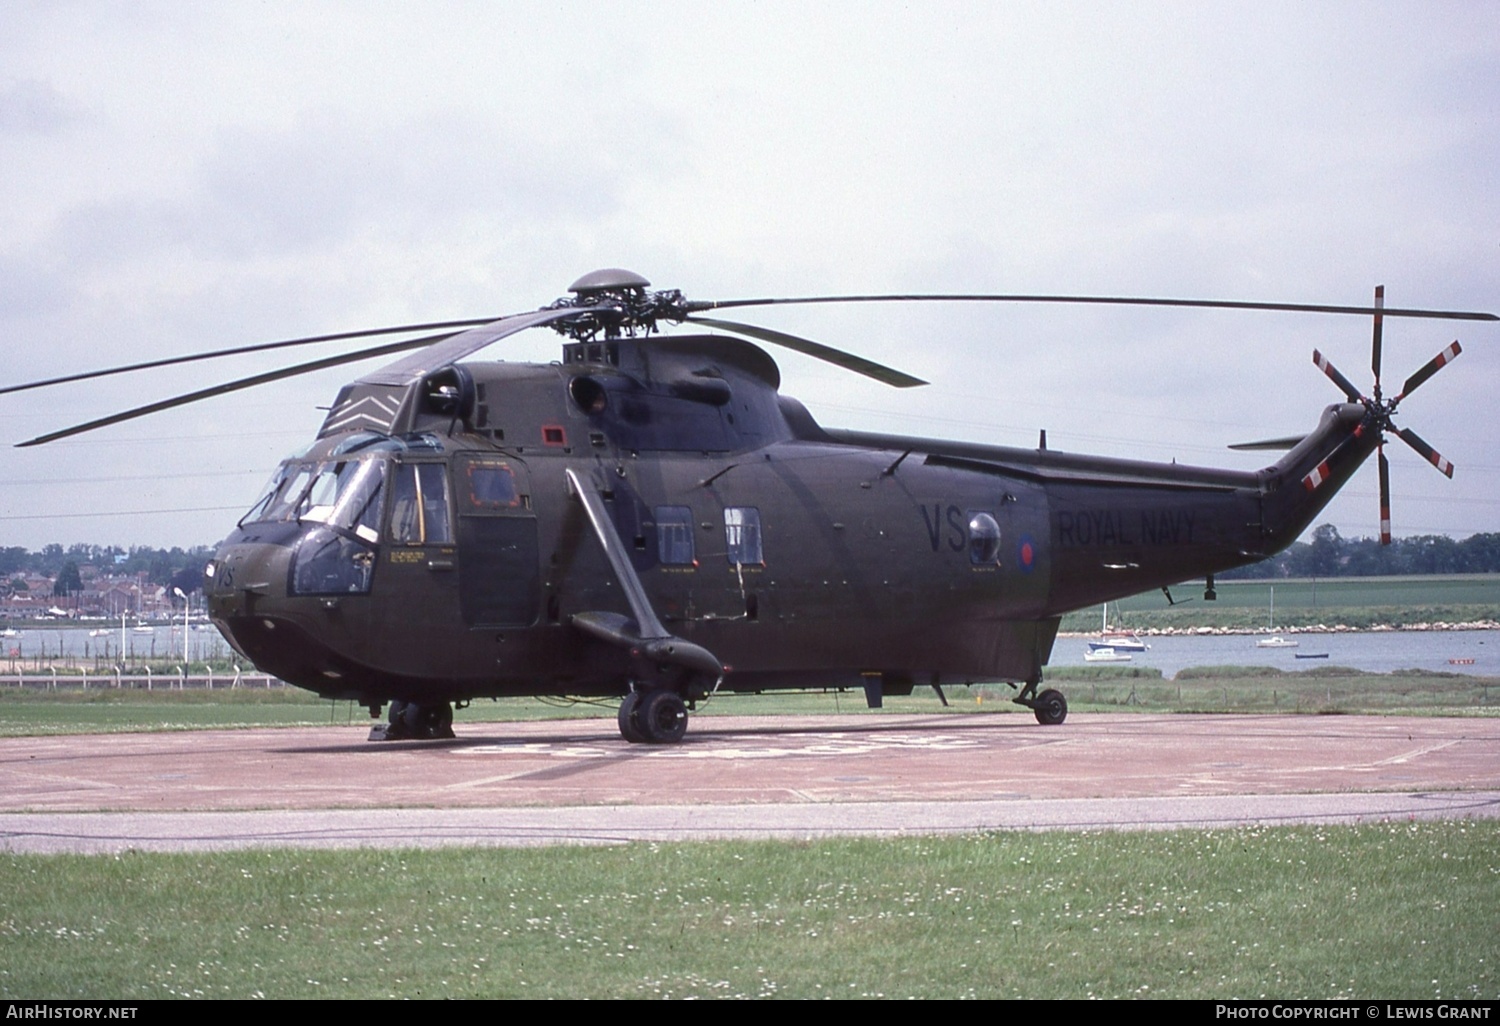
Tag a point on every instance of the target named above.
point(1317, 628)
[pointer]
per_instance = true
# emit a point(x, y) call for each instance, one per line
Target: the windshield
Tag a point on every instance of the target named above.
point(346, 495)
point(342, 493)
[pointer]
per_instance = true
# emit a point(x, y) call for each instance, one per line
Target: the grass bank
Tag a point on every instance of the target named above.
point(1360, 602)
point(1255, 689)
point(1391, 910)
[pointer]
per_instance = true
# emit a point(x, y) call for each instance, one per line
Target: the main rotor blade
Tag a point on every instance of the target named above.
point(1210, 304)
point(234, 386)
point(1430, 368)
point(453, 348)
point(1375, 341)
point(238, 350)
point(1385, 497)
point(1327, 367)
point(807, 347)
point(1426, 451)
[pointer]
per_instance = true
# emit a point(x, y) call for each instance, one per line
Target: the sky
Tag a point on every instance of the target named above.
point(180, 177)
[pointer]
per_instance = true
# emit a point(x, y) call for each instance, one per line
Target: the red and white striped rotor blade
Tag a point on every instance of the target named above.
point(1327, 367)
point(1427, 452)
point(1430, 368)
point(1385, 497)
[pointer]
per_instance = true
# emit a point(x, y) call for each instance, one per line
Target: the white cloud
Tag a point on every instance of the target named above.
point(186, 177)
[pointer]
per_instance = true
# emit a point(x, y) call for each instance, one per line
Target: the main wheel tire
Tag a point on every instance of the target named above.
point(413, 720)
point(423, 722)
point(396, 718)
point(630, 720)
point(663, 717)
point(1051, 708)
point(440, 721)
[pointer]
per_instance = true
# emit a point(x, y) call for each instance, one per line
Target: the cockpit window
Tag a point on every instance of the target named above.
point(346, 494)
point(286, 497)
point(317, 504)
point(267, 494)
point(419, 509)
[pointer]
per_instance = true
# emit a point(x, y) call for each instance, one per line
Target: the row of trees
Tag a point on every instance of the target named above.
point(161, 566)
point(1329, 554)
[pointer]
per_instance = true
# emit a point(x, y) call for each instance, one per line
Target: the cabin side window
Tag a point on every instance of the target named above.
point(742, 536)
point(490, 487)
point(419, 506)
point(674, 536)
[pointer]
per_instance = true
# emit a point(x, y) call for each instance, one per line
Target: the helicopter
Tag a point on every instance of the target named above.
point(651, 519)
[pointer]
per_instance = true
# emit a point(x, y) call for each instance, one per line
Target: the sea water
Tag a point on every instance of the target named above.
point(1373, 651)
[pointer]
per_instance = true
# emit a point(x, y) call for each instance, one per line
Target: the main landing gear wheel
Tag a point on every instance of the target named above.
point(1051, 708)
point(653, 717)
point(417, 721)
point(431, 722)
point(630, 726)
point(664, 717)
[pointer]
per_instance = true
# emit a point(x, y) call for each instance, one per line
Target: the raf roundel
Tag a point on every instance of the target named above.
point(1026, 552)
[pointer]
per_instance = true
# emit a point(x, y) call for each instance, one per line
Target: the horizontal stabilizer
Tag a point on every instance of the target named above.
point(1277, 444)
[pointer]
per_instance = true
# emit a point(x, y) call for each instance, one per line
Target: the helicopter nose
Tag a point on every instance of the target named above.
point(242, 577)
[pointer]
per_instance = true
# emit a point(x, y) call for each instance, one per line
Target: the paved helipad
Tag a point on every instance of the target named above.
point(737, 776)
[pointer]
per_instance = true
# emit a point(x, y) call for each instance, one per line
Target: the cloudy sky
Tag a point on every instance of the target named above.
point(178, 177)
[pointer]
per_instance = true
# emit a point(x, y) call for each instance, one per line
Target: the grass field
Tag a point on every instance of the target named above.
point(1393, 910)
point(1088, 688)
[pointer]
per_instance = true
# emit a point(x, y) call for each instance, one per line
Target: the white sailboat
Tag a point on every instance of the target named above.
point(1275, 640)
point(1120, 641)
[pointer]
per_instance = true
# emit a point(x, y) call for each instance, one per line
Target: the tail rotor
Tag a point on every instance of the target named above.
point(1381, 412)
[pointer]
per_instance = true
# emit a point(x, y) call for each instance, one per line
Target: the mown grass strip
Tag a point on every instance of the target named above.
point(1393, 910)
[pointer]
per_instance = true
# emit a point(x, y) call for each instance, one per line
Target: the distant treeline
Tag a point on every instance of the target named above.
point(1329, 554)
point(161, 566)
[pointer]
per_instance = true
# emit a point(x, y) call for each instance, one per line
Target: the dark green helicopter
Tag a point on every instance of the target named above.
point(651, 518)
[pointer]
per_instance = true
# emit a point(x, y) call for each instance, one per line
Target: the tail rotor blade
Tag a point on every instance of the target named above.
point(1337, 378)
point(1426, 451)
point(1430, 368)
point(1375, 341)
point(1385, 498)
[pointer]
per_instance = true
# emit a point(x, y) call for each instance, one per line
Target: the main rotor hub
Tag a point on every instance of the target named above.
point(616, 302)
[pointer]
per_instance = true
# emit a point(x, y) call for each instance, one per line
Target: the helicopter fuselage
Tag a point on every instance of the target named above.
point(443, 551)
